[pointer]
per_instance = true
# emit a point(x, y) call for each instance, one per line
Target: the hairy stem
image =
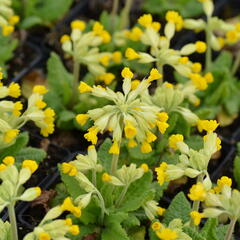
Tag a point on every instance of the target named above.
point(94, 177)
point(12, 217)
point(122, 196)
point(125, 15)
point(103, 209)
point(196, 204)
point(76, 74)
point(230, 230)
point(115, 158)
point(160, 69)
point(236, 64)
point(209, 50)
point(114, 12)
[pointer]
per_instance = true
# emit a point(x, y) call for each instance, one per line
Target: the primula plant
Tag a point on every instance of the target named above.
point(139, 151)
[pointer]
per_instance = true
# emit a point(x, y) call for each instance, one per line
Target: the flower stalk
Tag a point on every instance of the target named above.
point(125, 15)
point(122, 196)
point(230, 229)
point(209, 50)
point(12, 217)
point(236, 64)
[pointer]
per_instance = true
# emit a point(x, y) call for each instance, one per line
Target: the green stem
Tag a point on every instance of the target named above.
point(160, 69)
point(230, 230)
point(122, 196)
point(209, 50)
point(114, 13)
point(125, 15)
point(103, 209)
point(196, 204)
point(114, 165)
point(236, 64)
point(76, 75)
point(94, 177)
point(12, 217)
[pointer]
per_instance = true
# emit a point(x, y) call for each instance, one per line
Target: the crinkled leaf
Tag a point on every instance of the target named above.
point(193, 234)
point(30, 153)
point(138, 193)
point(209, 229)
point(179, 208)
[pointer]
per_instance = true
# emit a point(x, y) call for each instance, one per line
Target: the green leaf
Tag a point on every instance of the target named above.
point(104, 157)
point(72, 185)
point(236, 169)
point(31, 21)
point(193, 233)
point(8, 45)
point(62, 193)
point(131, 221)
point(209, 229)
point(179, 208)
point(195, 142)
point(152, 235)
point(187, 8)
point(21, 142)
point(138, 193)
point(58, 79)
point(65, 119)
point(224, 60)
point(113, 228)
point(159, 190)
point(30, 153)
point(221, 231)
point(90, 214)
point(137, 233)
point(136, 153)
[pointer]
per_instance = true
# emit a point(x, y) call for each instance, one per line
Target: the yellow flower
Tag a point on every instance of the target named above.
point(38, 191)
point(107, 78)
point(196, 67)
point(69, 169)
point(161, 173)
point(126, 73)
point(135, 34)
point(1, 76)
point(10, 135)
point(40, 104)
point(131, 54)
point(183, 60)
point(221, 41)
point(13, 20)
point(146, 147)
point(132, 143)
point(106, 177)
point(14, 90)
point(135, 84)
point(30, 164)
point(44, 236)
point(114, 149)
point(2, 167)
point(97, 28)
point(7, 30)
point(129, 130)
point(68, 221)
point(156, 26)
point(207, 125)
point(145, 167)
point(104, 60)
point(161, 211)
point(74, 230)
point(162, 116)
point(117, 57)
point(154, 75)
point(218, 143)
point(40, 89)
point(91, 136)
point(223, 181)
point(167, 234)
point(151, 137)
point(197, 192)
point(162, 126)
point(145, 20)
point(156, 226)
point(49, 121)
point(174, 139)
point(83, 87)
point(174, 17)
point(209, 77)
point(68, 206)
point(232, 36)
point(82, 119)
point(65, 38)
point(78, 24)
point(198, 81)
point(196, 217)
point(9, 160)
point(17, 108)
point(201, 47)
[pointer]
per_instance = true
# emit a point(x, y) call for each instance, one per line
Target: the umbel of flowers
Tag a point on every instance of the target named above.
point(129, 116)
point(12, 116)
